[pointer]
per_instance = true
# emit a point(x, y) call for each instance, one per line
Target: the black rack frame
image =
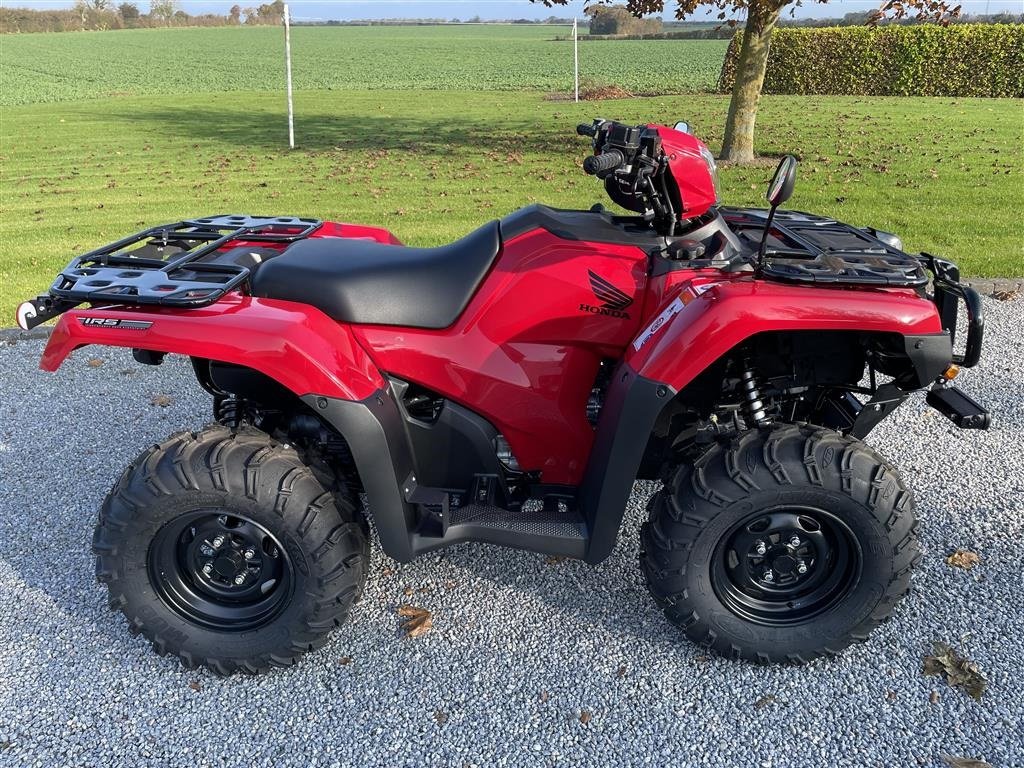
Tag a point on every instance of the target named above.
point(874, 263)
point(112, 274)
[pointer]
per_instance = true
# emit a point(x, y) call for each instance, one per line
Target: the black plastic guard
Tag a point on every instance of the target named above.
point(376, 435)
point(632, 407)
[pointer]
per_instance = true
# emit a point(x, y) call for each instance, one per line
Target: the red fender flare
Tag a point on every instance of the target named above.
point(296, 345)
point(704, 321)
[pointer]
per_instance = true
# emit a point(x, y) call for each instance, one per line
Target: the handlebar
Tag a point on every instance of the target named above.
point(606, 161)
point(586, 129)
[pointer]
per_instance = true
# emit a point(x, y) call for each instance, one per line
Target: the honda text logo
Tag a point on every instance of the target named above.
point(613, 300)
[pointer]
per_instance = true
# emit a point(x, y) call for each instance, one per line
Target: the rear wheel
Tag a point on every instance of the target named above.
point(224, 549)
point(787, 544)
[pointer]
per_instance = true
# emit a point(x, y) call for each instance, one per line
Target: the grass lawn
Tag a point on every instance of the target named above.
point(71, 66)
point(945, 174)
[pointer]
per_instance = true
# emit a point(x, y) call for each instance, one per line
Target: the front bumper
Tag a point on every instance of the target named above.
point(948, 293)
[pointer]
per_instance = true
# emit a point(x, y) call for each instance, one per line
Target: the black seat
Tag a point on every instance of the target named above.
point(361, 281)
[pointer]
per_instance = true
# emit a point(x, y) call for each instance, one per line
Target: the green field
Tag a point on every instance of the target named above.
point(946, 174)
point(78, 65)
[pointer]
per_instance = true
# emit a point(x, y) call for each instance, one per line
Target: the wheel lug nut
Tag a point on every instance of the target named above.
point(249, 554)
point(760, 547)
point(769, 576)
point(218, 542)
point(239, 580)
point(801, 567)
point(208, 569)
point(795, 541)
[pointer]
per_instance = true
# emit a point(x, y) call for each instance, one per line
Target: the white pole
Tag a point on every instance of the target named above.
point(288, 74)
point(575, 59)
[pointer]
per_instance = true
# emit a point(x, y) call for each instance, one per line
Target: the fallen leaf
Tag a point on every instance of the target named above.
point(544, 696)
point(585, 716)
point(933, 698)
point(553, 559)
point(1005, 295)
point(195, 685)
point(387, 572)
point(965, 762)
point(161, 400)
point(890, 695)
point(407, 591)
point(963, 558)
point(958, 671)
point(345, 660)
point(416, 621)
point(621, 671)
point(764, 701)
point(95, 362)
point(440, 717)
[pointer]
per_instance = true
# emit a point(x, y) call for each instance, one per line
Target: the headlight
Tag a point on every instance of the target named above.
point(709, 160)
point(893, 241)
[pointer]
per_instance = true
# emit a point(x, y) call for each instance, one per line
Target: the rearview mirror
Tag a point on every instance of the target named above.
point(683, 126)
point(781, 187)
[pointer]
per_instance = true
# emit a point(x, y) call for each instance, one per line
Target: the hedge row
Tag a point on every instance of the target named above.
point(923, 60)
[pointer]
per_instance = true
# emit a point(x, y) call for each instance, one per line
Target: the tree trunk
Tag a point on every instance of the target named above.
point(738, 145)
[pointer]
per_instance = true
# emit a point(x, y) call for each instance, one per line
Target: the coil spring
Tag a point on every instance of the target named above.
point(230, 411)
point(752, 396)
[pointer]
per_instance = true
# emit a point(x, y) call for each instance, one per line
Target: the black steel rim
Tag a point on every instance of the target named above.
point(786, 565)
point(220, 570)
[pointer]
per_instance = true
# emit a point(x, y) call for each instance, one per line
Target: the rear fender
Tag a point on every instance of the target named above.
point(296, 345)
point(692, 331)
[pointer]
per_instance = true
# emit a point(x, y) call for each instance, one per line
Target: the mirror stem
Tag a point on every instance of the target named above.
point(764, 240)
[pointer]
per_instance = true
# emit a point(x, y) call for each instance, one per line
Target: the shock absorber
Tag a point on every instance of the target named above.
point(229, 411)
point(752, 396)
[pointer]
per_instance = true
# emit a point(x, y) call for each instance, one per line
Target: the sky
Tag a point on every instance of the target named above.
point(485, 9)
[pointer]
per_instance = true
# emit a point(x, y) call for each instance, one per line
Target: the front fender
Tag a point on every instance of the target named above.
point(703, 322)
point(296, 345)
point(699, 325)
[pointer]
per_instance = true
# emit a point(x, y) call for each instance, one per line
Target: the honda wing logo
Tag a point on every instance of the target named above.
point(613, 301)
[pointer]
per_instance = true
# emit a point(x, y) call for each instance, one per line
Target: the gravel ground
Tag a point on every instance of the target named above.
point(521, 646)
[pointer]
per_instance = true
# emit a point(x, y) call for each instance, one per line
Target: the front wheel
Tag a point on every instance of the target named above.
point(790, 543)
point(224, 549)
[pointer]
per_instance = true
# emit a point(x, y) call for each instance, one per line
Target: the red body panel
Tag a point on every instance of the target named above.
point(526, 351)
point(716, 316)
point(299, 346)
point(356, 231)
point(689, 170)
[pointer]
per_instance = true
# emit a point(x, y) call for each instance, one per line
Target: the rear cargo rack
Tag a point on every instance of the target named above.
point(803, 248)
point(172, 265)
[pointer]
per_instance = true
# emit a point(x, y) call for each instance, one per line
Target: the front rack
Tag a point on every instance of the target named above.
point(170, 265)
point(803, 248)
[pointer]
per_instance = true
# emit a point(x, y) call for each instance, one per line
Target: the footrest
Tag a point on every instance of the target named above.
point(956, 406)
point(554, 531)
point(564, 524)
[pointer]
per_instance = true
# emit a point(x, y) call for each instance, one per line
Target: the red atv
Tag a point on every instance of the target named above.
point(509, 388)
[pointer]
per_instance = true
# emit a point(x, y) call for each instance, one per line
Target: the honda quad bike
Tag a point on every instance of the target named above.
point(509, 388)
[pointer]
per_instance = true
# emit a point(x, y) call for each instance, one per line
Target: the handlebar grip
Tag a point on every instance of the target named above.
point(606, 161)
point(586, 129)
